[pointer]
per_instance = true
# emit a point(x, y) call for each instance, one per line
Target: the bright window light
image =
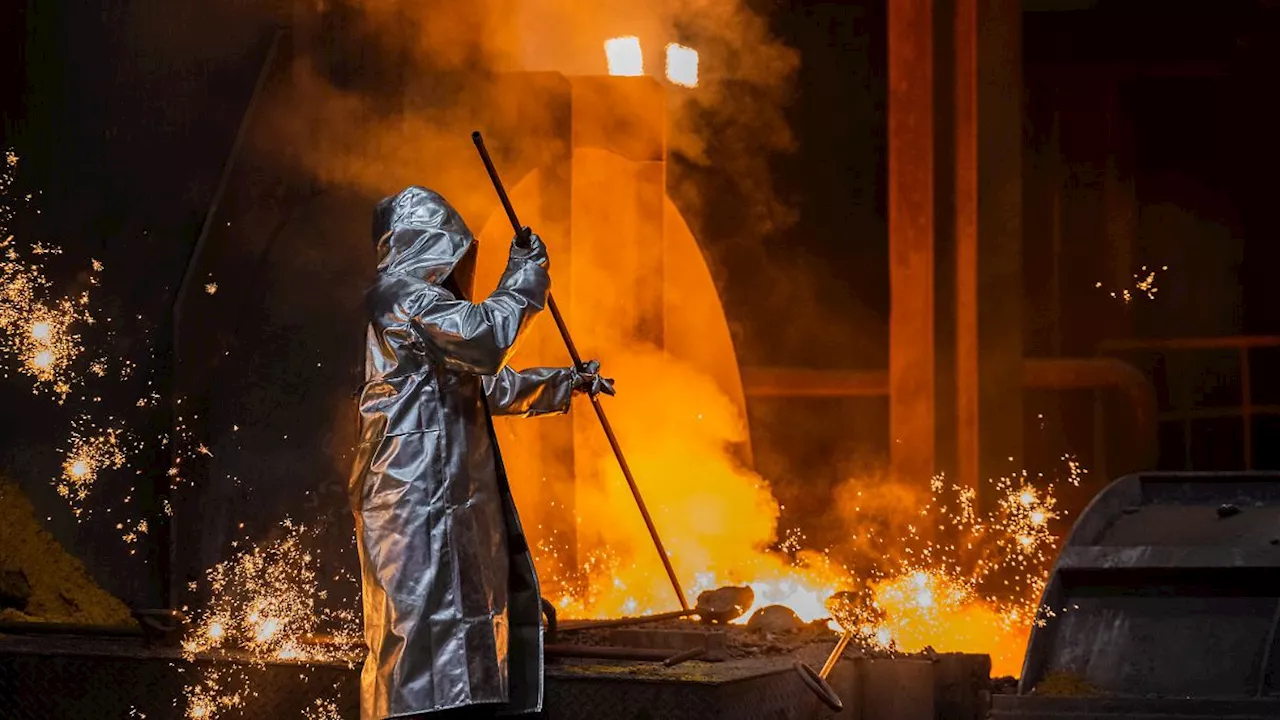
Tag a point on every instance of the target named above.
point(624, 55)
point(682, 65)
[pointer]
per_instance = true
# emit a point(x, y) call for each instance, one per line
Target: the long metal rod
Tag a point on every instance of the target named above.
point(572, 625)
point(44, 628)
point(521, 236)
point(601, 652)
point(835, 654)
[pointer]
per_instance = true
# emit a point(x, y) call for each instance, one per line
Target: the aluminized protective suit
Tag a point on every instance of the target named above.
point(451, 601)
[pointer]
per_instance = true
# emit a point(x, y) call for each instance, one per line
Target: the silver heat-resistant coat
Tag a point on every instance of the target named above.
point(451, 601)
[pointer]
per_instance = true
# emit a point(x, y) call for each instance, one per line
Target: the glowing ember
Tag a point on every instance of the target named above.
point(324, 710)
point(624, 56)
point(1144, 283)
point(92, 451)
point(682, 65)
point(36, 330)
point(972, 585)
point(264, 603)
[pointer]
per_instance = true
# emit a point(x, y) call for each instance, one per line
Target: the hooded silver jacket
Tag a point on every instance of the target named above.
point(451, 600)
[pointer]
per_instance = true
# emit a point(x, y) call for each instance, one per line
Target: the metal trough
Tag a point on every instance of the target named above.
point(1164, 603)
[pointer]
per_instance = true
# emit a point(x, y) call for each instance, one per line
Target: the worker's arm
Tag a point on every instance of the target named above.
point(478, 338)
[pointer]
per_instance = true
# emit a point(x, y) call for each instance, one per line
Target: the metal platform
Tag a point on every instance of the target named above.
point(70, 678)
point(1014, 707)
point(73, 677)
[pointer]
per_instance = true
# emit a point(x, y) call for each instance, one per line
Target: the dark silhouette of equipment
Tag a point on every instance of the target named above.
point(1164, 602)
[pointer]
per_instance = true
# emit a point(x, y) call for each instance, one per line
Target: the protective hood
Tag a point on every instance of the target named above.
point(418, 233)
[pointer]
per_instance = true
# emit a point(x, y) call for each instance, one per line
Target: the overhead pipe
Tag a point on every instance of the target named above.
point(1037, 373)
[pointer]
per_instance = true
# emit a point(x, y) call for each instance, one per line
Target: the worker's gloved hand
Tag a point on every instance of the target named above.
point(588, 380)
point(535, 253)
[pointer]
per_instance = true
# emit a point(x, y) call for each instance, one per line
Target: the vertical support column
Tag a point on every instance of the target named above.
point(911, 237)
point(988, 217)
point(1058, 175)
point(968, 424)
point(1119, 201)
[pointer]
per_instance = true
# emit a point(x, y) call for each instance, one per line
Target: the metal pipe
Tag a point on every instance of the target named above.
point(1094, 373)
point(1038, 373)
point(835, 654)
point(43, 628)
point(600, 652)
point(1229, 342)
point(804, 382)
point(684, 656)
point(571, 625)
point(522, 236)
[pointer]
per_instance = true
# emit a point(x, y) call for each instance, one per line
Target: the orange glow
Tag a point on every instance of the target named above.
point(651, 314)
point(625, 56)
point(265, 601)
point(932, 608)
point(682, 65)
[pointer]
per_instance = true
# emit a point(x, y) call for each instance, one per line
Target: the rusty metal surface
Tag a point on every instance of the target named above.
point(712, 642)
point(897, 689)
point(962, 686)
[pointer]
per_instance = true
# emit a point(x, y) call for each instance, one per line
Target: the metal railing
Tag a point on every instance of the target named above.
point(1247, 410)
point(1061, 374)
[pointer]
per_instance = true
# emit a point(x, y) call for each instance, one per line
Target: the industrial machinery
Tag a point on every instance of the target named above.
point(1164, 603)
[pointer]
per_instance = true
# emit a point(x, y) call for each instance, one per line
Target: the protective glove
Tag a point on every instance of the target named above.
point(588, 380)
point(536, 253)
